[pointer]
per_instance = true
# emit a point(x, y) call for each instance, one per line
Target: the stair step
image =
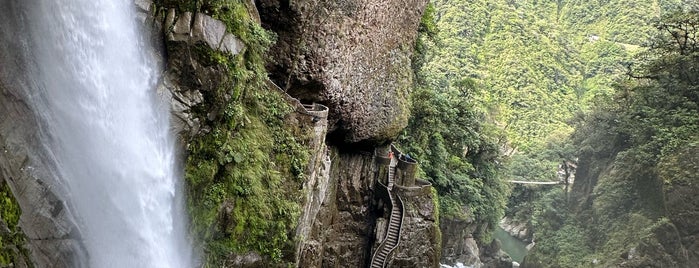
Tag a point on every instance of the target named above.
point(394, 225)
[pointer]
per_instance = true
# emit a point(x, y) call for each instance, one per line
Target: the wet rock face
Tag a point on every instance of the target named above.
point(520, 230)
point(341, 232)
point(420, 241)
point(49, 228)
point(493, 257)
point(352, 55)
point(458, 244)
point(51, 233)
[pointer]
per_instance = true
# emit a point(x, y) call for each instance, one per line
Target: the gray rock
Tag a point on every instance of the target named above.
point(492, 256)
point(232, 44)
point(419, 238)
point(169, 20)
point(51, 231)
point(317, 182)
point(141, 17)
point(340, 232)
point(357, 61)
point(208, 29)
point(143, 4)
point(183, 24)
point(52, 237)
point(458, 244)
point(251, 259)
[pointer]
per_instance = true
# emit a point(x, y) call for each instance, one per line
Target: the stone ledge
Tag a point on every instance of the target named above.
point(201, 28)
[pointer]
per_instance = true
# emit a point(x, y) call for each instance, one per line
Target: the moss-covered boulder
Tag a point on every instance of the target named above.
point(352, 55)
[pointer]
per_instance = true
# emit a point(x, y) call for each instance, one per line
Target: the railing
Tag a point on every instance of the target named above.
point(314, 109)
point(395, 222)
point(400, 225)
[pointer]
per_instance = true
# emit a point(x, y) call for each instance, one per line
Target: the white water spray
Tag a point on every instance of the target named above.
point(108, 132)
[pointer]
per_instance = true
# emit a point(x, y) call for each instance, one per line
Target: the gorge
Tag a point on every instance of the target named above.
point(353, 133)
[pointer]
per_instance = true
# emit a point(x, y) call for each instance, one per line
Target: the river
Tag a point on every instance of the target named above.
point(510, 245)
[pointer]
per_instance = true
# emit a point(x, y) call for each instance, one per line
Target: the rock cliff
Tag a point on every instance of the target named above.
point(353, 56)
point(651, 223)
point(367, 100)
point(45, 235)
point(458, 244)
point(317, 207)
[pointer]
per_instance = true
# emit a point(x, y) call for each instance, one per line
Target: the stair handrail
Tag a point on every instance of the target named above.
point(394, 205)
point(400, 227)
point(385, 236)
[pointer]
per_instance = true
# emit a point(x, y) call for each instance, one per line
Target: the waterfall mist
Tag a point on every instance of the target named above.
point(107, 131)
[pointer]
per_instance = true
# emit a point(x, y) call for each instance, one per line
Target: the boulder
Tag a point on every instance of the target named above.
point(183, 24)
point(144, 5)
point(458, 244)
point(231, 44)
point(353, 56)
point(207, 29)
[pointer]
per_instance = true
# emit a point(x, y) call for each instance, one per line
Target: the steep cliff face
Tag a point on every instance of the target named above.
point(643, 219)
point(33, 218)
point(458, 244)
point(680, 187)
point(264, 189)
point(336, 221)
point(421, 240)
point(45, 234)
point(341, 231)
point(353, 56)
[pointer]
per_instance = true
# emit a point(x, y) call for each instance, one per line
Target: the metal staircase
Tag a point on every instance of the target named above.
point(392, 237)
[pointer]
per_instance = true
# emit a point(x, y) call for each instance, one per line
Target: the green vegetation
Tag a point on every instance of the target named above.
point(503, 90)
point(244, 176)
point(12, 239)
point(513, 89)
point(457, 152)
point(630, 144)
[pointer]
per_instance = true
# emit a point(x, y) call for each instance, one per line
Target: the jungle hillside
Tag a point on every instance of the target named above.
point(601, 96)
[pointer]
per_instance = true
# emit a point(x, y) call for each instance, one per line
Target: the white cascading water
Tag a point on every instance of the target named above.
point(108, 132)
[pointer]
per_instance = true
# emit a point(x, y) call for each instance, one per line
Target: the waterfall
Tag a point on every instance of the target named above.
point(108, 132)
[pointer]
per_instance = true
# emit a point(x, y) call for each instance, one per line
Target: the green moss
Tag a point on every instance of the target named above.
point(12, 242)
point(244, 177)
point(435, 202)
